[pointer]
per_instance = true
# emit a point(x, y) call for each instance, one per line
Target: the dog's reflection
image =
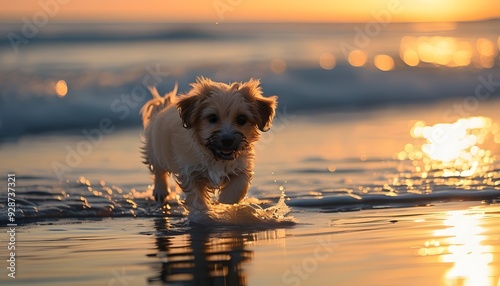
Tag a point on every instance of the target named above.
point(202, 256)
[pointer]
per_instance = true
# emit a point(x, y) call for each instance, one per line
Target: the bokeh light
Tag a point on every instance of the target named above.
point(463, 55)
point(384, 62)
point(61, 88)
point(357, 58)
point(327, 61)
point(410, 57)
point(485, 47)
point(446, 51)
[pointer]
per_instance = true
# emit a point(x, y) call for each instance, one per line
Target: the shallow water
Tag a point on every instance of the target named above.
point(361, 212)
point(392, 170)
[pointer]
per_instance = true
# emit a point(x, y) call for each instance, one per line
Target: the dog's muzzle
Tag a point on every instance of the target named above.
point(226, 146)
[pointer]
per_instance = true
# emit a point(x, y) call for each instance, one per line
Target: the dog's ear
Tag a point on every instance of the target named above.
point(264, 107)
point(187, 109)
point(188, 104)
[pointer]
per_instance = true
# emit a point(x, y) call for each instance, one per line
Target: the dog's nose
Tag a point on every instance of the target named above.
point(227, 141)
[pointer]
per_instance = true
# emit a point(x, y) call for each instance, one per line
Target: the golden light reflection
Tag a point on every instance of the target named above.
point(410, 57)
point(463, 55)
point(485, 47)
point(61, 88)
point(447, 51)
point(327, 61)
point(455, 149)
point(466, 248)
point(357, 58)
point(384, 62)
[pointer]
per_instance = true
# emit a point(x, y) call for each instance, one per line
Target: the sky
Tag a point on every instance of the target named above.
point(250, 10)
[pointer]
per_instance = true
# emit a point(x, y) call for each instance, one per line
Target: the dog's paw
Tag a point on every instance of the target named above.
point(160, 194)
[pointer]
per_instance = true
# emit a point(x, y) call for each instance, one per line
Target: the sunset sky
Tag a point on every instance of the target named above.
point(253, 10)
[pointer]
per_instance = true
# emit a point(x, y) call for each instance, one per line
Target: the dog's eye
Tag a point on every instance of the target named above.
point(241, 120)
point(212, 118)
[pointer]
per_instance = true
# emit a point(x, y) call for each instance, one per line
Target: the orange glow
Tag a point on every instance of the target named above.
point(407, 51)
point(357, 58)
point(410, 58)
point(384, 62)
point(260, 10)
point(327, 61)
point(61, 88)
point(467, 248)
point(454, 148)
point(485, 47)
point(463, 56)
point(444, 51)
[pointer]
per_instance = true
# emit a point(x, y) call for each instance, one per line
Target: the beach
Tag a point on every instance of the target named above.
point(367, 176)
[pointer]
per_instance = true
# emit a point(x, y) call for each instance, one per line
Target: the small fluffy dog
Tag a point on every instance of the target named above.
point(205, 138)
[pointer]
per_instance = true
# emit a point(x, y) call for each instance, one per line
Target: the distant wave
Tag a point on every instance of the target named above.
point(299, 89)
point(109, 33)
point(100, 73)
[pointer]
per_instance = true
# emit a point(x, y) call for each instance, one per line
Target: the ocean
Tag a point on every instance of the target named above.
point(384, 144)
point(105, 68)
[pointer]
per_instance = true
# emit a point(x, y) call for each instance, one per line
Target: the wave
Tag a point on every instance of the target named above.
point(98, 33)
point(29, 110)
point(102, 70)
point(355, 202)
point(44, 198)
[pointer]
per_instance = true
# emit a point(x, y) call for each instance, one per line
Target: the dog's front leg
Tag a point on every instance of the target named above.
point(160, 190)
point(235, 189)
point(197, 197)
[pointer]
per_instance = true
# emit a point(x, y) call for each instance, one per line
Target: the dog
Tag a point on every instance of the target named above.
point(205, 139)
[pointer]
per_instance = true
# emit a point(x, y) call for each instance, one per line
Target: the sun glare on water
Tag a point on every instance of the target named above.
point(467, 249)
point(463, 244)
point(458, 148)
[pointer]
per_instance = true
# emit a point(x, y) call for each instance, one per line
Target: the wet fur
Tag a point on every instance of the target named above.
point(182, 138)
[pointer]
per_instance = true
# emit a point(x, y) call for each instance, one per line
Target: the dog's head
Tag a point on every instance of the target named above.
point(227, 119)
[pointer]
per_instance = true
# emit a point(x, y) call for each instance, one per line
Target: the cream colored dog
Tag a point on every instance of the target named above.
point(205, 138)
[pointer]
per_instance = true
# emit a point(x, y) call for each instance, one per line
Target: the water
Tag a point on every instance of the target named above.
point(358, 163)
point(71, 76)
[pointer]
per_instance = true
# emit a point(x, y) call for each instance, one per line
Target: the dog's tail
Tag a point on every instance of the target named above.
point(157, 104)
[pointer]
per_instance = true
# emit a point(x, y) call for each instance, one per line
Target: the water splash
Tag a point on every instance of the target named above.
point(244, 214)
